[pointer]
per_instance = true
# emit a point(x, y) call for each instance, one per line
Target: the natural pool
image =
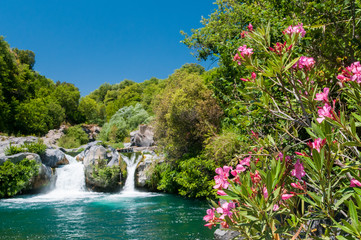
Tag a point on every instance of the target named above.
point(71, 212)
point(103, 216)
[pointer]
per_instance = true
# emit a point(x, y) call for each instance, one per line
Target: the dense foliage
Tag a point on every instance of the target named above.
point(122, 122)
point(15, 177)
point(74, 137)
point(29, 102)
point(38, 148)
point(108, 177)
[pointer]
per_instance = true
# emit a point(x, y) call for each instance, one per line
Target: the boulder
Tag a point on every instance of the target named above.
point(53, 158)
point(92, 157)
point(142, 137)
point(15, 141)
point(92, 130)
point(52, 137)
point(222, 234)
point(38, 182)
point(142, 170)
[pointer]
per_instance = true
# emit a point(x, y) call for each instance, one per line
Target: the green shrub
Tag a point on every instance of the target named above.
point(107, 176)
point(38, 148)
point(15, 177)
point(11, 150)
point(162, 178)
point(32, 147)
point(74, 137)
point(122, 122)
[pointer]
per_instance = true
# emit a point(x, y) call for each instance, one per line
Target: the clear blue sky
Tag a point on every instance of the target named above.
point(89, 42)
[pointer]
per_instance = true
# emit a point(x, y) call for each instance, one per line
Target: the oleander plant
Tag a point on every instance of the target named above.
point(309, 188)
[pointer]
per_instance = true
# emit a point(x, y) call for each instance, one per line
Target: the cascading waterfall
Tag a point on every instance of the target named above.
point(70, 181)
point(132, 163)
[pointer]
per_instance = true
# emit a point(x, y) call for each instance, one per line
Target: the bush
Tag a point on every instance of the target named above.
point(74, 137)
point(15, 177)
point(122, 122)
point(107, 176)
point(11, 150)
point(32, 147)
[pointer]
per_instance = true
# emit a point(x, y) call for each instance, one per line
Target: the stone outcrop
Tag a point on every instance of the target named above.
point(222, 234)
point(92, 130)
point(91, 158)
point(38, 182)
point(14, 141)
point(142, 137)
point(53, 158)
point(141, 173)
point(52, 137)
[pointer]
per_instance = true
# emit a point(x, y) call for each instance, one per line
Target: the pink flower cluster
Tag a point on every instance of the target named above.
point(224, 210)
point(304, 63)
point(244, 53)
point(317, 144)
point(279, 48)
point(299, 170)
point(326, 111)
point(351, 73)
point(298, 29)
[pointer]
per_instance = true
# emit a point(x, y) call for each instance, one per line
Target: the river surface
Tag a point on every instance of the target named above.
point(71, 212)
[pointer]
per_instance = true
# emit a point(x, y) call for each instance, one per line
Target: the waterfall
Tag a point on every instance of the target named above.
point(70, 180)
point(132, 163)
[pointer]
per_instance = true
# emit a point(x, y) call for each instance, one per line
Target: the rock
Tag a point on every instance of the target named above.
point(19, 157)
point(142, 137)
point(92, 156)
point(221, 234)
point(15, 141)
point(53, 158)
point(38, 182)
point(92, 130)
point(42, 181)
point(141, 173)
point(52, 137)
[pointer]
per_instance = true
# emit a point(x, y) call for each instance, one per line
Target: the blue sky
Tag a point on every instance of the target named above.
point(88, 42)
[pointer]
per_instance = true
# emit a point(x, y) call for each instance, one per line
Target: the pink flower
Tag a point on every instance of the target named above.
point(265, 192)
point(221, 193)
point(254, 75)
point(317, 144)
point(276, 207)
point(250, 27)
point(298, 29)
point(244, 79)
point(225, 209)
point(323, 96)
point(325, 111)
point(210, 215)
point(278, 48)
point(298, 186)
point(222, 178)
point(255, 177)
point(298, 170)
point(243, 34)
point(304, 63)
point(286, 196)
point(351, 73)
point(245, 51)
point(246, 161)
point(239, 168)
point(355, 183)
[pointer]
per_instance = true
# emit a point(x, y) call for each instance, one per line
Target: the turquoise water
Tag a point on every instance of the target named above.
point(103, 216)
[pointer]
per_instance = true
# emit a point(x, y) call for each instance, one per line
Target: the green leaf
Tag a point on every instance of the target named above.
point(344, 198)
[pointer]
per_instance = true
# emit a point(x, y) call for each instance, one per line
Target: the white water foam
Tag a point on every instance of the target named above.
point(132, 164)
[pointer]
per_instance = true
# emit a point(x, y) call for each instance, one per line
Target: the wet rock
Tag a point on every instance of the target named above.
point(53, 158)
point(38, 182)
point(142, 175)
point(99, 156)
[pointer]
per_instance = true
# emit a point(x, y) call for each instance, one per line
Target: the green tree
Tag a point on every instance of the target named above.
point(67, 95)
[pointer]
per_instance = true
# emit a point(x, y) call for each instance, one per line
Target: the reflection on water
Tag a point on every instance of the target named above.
point(103, 216)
